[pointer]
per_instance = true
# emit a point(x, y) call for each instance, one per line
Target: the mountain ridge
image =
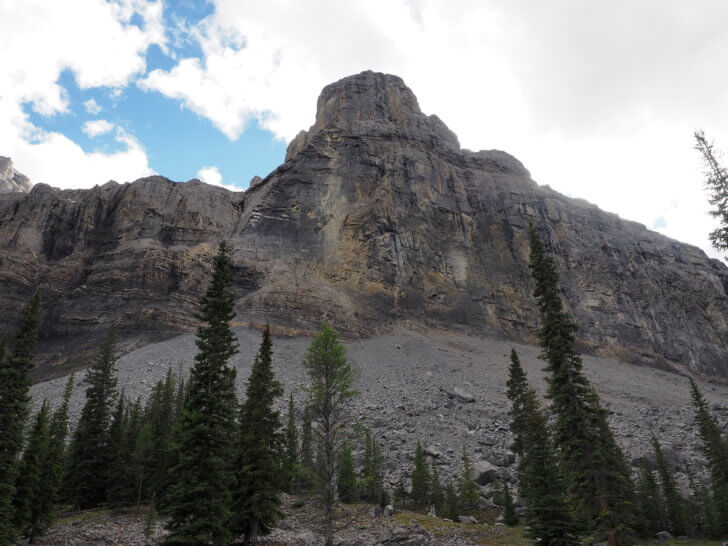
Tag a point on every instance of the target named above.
point(376, 217)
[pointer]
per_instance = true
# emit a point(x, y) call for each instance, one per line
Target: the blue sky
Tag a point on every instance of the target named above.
point(177, 141)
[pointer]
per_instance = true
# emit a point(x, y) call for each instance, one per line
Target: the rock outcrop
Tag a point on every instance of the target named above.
point(376, 217)
point(12, 181)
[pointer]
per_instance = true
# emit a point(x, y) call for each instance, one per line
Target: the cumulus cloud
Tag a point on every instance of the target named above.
point(92, 107)
point(211, 175)
point(97, 127)
point(100, 48)
point(598, 101)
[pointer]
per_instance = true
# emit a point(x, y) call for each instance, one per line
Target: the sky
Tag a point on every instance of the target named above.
point(599, 100)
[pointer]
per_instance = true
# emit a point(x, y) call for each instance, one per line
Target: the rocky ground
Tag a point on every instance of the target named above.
point(447, 391)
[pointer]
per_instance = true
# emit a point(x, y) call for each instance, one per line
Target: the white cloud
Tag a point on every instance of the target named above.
point(94, 40)
point(598, 101)
point(92, 107)
point(97, 127)
point(211, 175)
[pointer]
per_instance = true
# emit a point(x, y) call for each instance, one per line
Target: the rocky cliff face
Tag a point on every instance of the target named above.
point(12, 181)
point(376, 217)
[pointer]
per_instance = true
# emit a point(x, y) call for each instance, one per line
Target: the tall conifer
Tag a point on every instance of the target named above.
point(598, 474)
point(256, 496)
point(674, 503)
point(468, 489)
point(199, 496)
point(290, 455)
point(420, 477)
point(14, 403)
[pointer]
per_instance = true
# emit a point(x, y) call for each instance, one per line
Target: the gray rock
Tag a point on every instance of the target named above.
point(12, 181)
point(388, 511)
point(468, 519)
point(461, 395)
point(433, 451)
point(499, 458)
point(664, 536)
point(485, 472)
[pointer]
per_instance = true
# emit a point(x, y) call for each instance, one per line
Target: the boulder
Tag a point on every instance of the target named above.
point(468, 519)
point(461, 395)
point(485, 472)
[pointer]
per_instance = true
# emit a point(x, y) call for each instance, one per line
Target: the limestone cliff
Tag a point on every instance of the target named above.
point(12, 181)
point(376, 216)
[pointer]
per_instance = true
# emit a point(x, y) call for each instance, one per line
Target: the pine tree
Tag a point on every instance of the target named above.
point(652, 511)
point(48, 496)
point(452, 508)
point(674, 503)
point(505, 500)
point(598, 474)
point(372, 486)
point(14, 404)
point(90, 455)
point(517, 387)
point(437, 495)
point(150, 522)
point(119, 459)
point(420, 478)
point(161, 415)
point(345, 475)
point(28, 485)
point(715, 448)
point(256, 497)
point(290, 456)
point(199, 496)
point(468, 489)
point(717, 183)
point(141, 459)
point(329, 394)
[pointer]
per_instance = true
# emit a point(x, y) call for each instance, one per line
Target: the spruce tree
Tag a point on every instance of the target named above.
point(29, 485)
point(199, 496)
point(256, 497)
point(420, 478)
point(517, 385)
point(330, 390)
point(652, 511)
point(306, 440)
point(91, 455)
point(345, 475)
point(717, 183)
point(160, 413)
point(150, 521)
point(674, 503)
point(505, 500)
point(598, 474)
point(452, 505)
point(715, 448)
point(372, 486)
point(119, 458)
point(290, 456)
point(14, 403)
point(468, 489)
point(437, 495)
point(44, 505)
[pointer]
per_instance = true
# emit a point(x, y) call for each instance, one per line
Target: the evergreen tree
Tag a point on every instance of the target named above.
point(674, 503)
point(141, 459)
point(517, 387)
point(306, 440)
point(468, 489)
point(597, 472)
point(652, 510)
point(715, 448)
point(90, 450)
point(14, 404)
point(420, 478)
point(346, 476)
point(199, 496)
point(504, 499)
point(44, 504)
point(329, 394)
point(161, 414)
point(150, 522)
point(372, 486)
point(256, 496)
point(717, 183)
point(119, 459)
point(437, 495)
point(452, 508)
point(290, 456)
point(28, 485)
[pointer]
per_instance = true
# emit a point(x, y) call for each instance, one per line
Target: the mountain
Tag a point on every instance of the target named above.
point(377, 217)
point(11, 180)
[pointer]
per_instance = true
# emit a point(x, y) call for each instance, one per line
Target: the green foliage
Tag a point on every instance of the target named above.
point(161, 414)
point(598, 475)
point(150, 521)
point(420, 477)
point(452, 504)
point(437, 495)
point(256, 497)
point(517, 388)
point(502, 497)
point(330, 391)
point(467, 488)
point(674, 503)
point(371, 482)
point(90, 454)
point(652, 511)
point(307, 440)
point(14, 404)
point(716, 180)
point(119, 484)
point(198, 499)
point(715, 448)
point(290, 455)
point(346, 476)
point(29, 485)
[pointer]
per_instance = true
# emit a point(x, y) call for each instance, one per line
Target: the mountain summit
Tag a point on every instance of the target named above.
point(376, 217)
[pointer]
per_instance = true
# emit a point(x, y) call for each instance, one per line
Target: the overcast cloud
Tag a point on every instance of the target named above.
point(599, 100)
